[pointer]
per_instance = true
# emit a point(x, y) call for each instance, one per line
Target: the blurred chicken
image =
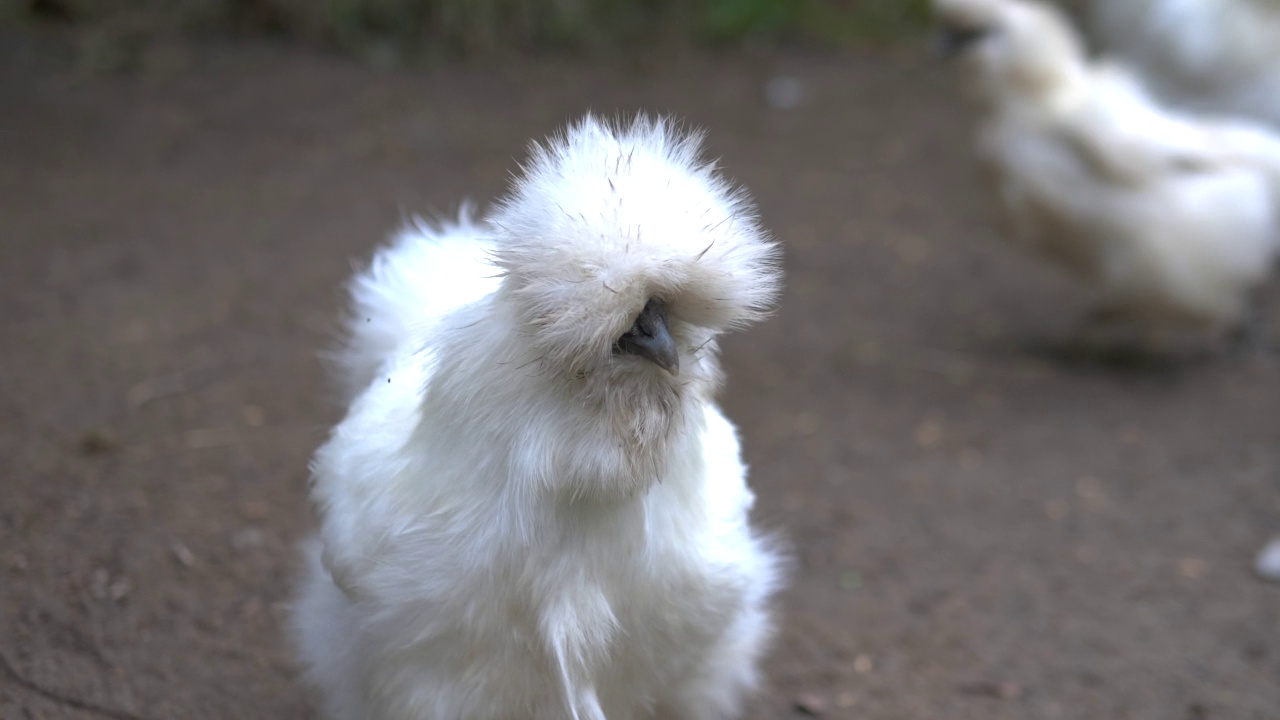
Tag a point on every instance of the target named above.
point(534, 508)
point(1173, 219)
point(1216, 56)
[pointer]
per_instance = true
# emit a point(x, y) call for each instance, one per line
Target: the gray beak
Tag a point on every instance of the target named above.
point(650, 338)
point(948, 41)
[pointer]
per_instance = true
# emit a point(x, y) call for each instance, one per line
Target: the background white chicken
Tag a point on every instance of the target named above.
point(1212, 56)
point(534, 509)
point(1216, 56)
point(1172, 218)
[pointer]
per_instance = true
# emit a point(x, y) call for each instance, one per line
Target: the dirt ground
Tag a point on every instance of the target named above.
point(984, 529)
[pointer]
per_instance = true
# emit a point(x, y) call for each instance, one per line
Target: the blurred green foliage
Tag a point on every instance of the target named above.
point(478, 27)
point(826, 21)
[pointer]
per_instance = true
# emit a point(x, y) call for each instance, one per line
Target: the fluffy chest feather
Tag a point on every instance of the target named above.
point(506, 594)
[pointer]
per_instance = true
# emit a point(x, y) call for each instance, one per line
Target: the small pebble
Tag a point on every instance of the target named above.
point(784, 92)
point(1057, 509)
point(253, 415)
point(1268, 566)
point(99, 582)
point(254, 607)
point(807, 423)
point(1192, 568)
point(810, 704)
point(255, 509)
point(98, 442)
point(248, 538)
point(928, 433)
point(183, 555)
point(16, 562)
point(1089, 490)
point(851, 580)
point(206, 438)
point(119, 588)
point(992, 689)
point(102, 586)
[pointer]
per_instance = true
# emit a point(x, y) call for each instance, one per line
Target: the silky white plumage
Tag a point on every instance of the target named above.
point(517, 519)
point(1215, 56)
point(1172, 218)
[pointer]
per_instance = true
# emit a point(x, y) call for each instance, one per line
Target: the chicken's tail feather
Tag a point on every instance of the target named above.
point(426, 271)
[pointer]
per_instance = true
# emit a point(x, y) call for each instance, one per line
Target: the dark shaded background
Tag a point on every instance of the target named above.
point(985, 528)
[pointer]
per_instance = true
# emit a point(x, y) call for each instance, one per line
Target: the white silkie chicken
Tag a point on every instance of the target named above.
point(1173, 219)
point(534, 508)
point(1215, 56)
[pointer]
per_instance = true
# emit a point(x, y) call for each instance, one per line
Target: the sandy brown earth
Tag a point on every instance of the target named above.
point(984, 528)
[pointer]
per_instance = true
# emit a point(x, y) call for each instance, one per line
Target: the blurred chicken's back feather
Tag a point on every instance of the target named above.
point(1172, 217)
point(1215, 56)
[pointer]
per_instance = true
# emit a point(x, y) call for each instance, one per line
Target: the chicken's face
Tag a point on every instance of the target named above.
point(967, 28)
point(624, 257)
point(1008, 47)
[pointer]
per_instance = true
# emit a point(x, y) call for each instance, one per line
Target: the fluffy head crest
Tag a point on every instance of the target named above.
point(605, 218)
point(1019, 46)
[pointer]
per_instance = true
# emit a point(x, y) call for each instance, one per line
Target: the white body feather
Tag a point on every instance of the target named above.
point(422, 275)
point(1173, 218)
point(1216, 56)
point(490, 549)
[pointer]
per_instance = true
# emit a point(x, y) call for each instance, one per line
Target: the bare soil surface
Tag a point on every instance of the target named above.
point(985, 526)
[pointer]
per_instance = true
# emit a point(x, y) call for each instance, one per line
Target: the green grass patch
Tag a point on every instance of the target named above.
point(477, 27)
